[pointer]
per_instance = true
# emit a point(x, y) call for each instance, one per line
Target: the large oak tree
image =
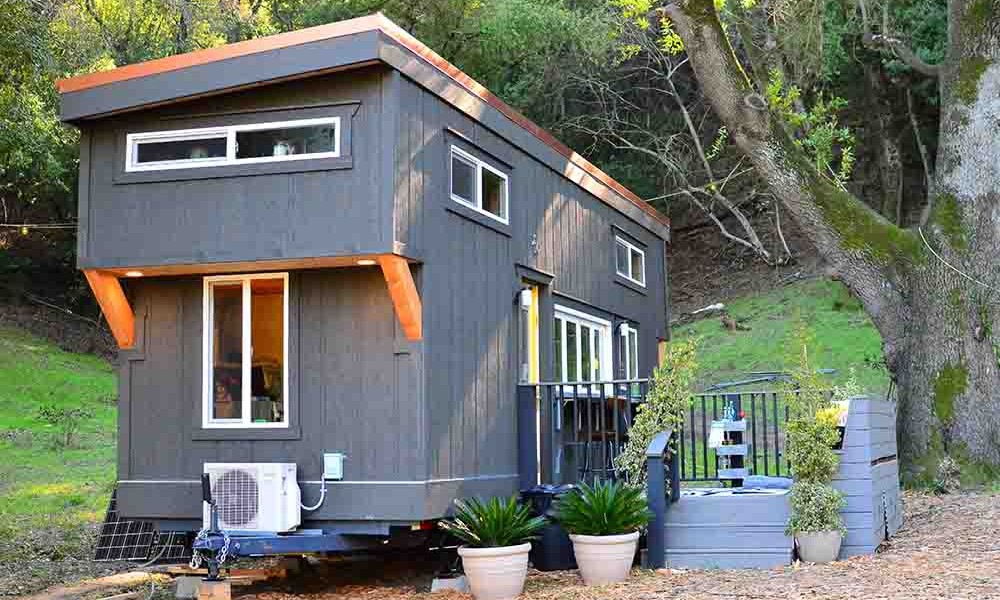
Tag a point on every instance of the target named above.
point(932, 291)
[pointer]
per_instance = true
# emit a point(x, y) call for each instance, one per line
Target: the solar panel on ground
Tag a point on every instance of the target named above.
point(132, 540)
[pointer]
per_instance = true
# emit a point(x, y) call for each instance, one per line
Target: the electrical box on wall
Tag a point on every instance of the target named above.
point(333, 466)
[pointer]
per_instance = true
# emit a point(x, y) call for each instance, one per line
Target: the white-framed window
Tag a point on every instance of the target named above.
point(582, 345)
point(245, 349)
point(478, 185)
point(629, 350)
point(233, 145)
point(630, 261)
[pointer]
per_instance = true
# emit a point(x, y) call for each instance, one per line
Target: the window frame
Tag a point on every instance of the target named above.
point(208, 309)
point(133, 140)
point(477, 203)
point(601, 328)
point(628, 274)
point(626, 332)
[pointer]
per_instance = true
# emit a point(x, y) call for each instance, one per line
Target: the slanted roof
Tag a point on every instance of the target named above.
point(314, 51)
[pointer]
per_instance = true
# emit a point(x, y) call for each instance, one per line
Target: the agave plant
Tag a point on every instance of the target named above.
point(492, 524)
point(603, 509)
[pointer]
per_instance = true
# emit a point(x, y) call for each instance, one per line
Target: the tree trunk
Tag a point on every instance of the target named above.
point(935, 307)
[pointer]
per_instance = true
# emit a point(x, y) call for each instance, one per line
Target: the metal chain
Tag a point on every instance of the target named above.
point(196, 556)
point(225, 548)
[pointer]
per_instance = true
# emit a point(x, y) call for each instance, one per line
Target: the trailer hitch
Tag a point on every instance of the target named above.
point(211, 545)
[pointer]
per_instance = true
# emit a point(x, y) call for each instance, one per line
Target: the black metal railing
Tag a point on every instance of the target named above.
point(765, 412)
point(572, 431)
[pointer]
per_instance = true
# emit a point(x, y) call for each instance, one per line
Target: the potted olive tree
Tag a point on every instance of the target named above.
point(496, 535)
point(604, 521)
point(816, 522)
point(811, 435)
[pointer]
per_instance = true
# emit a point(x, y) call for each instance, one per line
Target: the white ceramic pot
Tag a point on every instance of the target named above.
point(495, 573)
point(819, 547)
point(605, 558)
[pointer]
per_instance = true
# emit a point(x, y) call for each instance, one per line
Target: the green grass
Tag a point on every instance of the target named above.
point(49, 494)
point(845, 337)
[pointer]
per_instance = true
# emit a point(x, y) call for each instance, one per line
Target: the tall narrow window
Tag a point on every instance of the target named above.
point(629, 352)
point(559, 354)
point(630, 261)
point(246, 351)
point(478, 185)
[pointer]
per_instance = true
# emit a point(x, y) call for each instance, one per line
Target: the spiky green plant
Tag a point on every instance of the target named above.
point(603, 509)
point(494, 523)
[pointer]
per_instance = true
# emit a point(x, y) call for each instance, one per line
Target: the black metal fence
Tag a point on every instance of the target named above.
point(572, 432)
point(765, 413)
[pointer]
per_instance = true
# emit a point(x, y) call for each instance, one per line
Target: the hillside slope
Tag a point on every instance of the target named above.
point(845, 337)
point(51, 494)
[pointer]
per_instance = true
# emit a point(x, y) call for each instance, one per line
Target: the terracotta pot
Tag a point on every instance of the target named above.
point(495, 573)
point(819, 546)
point(605, 558)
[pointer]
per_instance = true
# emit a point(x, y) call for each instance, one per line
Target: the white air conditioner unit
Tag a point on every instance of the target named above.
point(254, 496)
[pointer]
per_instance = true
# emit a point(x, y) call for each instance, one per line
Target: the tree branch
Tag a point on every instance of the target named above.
point(894, 44)
point(870, 254)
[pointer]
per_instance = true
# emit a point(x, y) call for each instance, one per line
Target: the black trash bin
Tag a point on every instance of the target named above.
point(552, 551)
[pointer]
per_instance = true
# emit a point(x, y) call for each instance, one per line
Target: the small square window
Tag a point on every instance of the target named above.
point(630, 262)
point(478, 185)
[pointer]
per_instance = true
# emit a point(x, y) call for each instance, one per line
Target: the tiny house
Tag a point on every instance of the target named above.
point(332, 249)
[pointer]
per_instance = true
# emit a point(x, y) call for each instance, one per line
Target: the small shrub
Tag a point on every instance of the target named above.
point(949, 476)
point(670, 394)
point(815, 507)
point(19, 438)
point(849, 389)
point(809, 445)
point(608, 508)
point(66, 422)
point(492, 524)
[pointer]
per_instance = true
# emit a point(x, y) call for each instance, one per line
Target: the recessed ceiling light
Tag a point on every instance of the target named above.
point(366, 262)
point(133, 273)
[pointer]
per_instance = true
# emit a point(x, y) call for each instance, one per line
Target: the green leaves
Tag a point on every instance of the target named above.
point(492, 524)
point(607, 508)
point(815, 507)
point(816, 129)
point(669, 395)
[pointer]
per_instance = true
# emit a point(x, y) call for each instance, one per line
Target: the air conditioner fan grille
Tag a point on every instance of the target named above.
point(235, 492)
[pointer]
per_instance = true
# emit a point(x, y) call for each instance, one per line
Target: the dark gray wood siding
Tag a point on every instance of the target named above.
point(470, 282)
point(353, 388)
point(421, 422)
point(220, 214)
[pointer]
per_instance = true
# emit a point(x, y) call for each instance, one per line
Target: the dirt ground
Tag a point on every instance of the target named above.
point(949, 547)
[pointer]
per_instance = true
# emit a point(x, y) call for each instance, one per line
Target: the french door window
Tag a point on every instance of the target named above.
point(582, 346)
point(246, 351)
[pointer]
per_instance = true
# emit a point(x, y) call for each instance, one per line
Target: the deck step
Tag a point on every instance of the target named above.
point(728, 558)
point(749, 537)
point(730, 509)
